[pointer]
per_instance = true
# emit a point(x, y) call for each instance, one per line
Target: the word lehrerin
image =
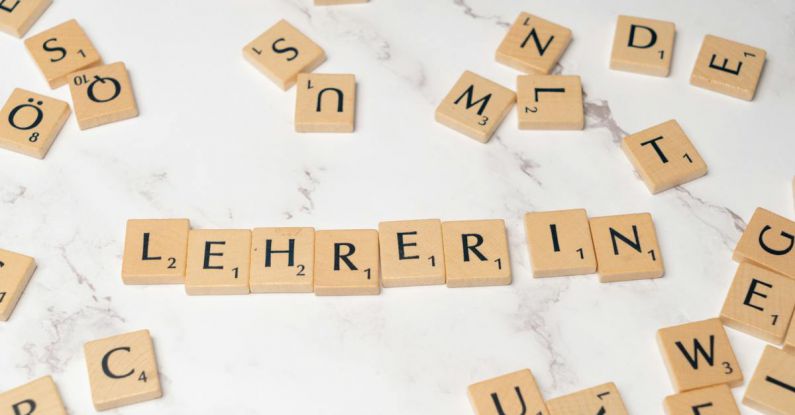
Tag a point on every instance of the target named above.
point(471, 253)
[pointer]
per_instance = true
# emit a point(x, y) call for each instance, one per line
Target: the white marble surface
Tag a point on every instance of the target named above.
point(215, 143)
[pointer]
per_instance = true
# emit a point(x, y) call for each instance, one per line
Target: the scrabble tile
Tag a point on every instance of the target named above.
point(37, 397)
point(760, 303)
point(62, 50)
point(218, 261)
point(550, 102)
point(728, 67)
point(325, 103)
point(789, 341)
point(122, 370)
point(602, 399)
point(768, 241)
point(15, 272)
point(533, 45)
point(282, 52)
point(335, 2)
point(155, 251)
point(664, 156)
point(475, 106)
point(514, 393)
point(698, 355)
point(772, 387)
point(102, 95)
point(29, 122)
point(476, 253)
point(717, 400)
point(347, 262)
point(17, 16)
point(626, 248)
point(412, 253)
point(282, 260)
point(643, 46)
point(560, 243)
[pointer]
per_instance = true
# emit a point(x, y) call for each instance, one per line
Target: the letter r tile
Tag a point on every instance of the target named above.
point(37, 397)
point(698, 355)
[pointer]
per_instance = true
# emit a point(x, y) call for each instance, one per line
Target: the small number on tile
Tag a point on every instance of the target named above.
point(301, 271)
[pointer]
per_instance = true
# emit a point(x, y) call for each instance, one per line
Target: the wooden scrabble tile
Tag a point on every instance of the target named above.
point(282, 260)
point(155, 251)
point(476, 253)
point(560, 243)
point(514, 393)
point(122, 370)
point(626, 248)
point(533, 45)
point(643, 46)
point(550, 102)
point(29, 122)
point(716, 400)
point(15, 272)
point(218, 261)
point(334, 2)
point(37, 397)
point(772, 387)
point(17, 16)
point(62, 50)
point(768, 241)
point(602, 399)
point(282, 52)
point(475, 106)
point(664, 156)
point(698, 355)
point(760, 303)
point(102, 95)
point(325, 103)
point(412, 253)
point(347, 262)
point(789, 341)
point(728, 67)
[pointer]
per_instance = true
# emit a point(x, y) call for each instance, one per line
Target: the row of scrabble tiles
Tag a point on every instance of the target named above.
point(761, 302)
point(476, 106)
point(101, 94)
point(398, 254)
point(122, 370)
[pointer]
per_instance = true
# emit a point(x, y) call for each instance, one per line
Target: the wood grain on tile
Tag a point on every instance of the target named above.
point(61, 51)
point(412, 253)
point(602, 399)
point(347, 262)
point(643, 46)
point(282, 52)
point(728, 67)
point(513, 393)
point(717, 400)
point(772, 387)
point(560, 243)
point(40, 396)
point(15, 272)
point(17, 16)
point(626, 248)
point(550, 102)
point(476, 253)
point(155, 251)
point(282, 260)
point(218, 262)
point(475, 106)
point(533, 45)
point(768, 241)
point(325, 103)
point(29, 122)
point(102, 95)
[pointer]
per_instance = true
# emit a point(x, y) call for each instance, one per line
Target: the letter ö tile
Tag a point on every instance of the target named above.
point(602, 399)
point(412, 253)
point(325, 103)
point(37, 397)
point(17, 16)
point(643, 46)
point(760, 303)
point(663, 156)
point(772, 387)
point(768, 241)
point(282, 52)
point(102, 95)
point(218, 262)
point(62, 50)
point(122, 370)
point(698, 355)
point(533, 45)
point(728, 67)
point(29, 122)
point(155, 251)
point(347, 262)
point(716, 400)
point(282, 260)
point(476, 253)
point(513, 393)
point(15, 273)
point(626, 248)
point(475, 106)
